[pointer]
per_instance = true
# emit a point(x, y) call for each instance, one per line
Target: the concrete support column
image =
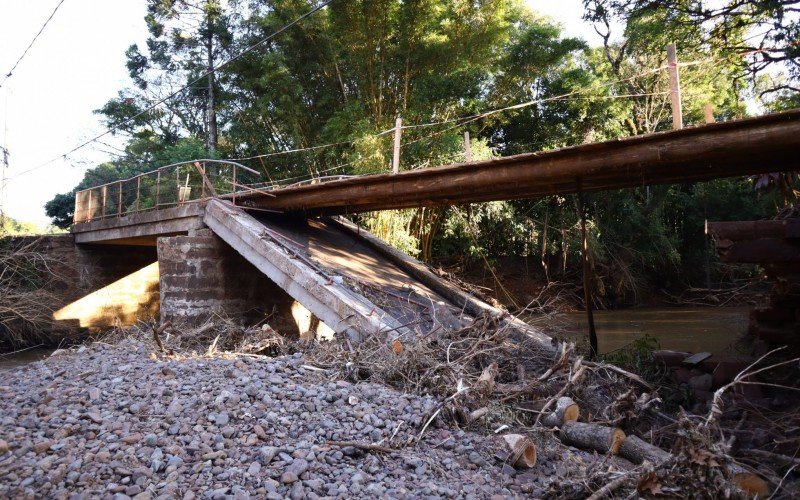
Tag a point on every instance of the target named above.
point(200, 275)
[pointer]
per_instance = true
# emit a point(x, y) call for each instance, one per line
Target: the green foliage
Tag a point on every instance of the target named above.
point(637, 357)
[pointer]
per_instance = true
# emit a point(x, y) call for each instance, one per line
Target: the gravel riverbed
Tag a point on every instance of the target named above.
point(119, 421)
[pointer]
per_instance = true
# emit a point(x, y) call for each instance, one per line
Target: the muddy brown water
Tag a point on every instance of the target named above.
point(14, 359)
point(687, 329)
point(712, 329)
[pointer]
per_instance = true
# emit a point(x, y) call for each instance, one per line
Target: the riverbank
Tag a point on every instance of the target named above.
point(121, 420)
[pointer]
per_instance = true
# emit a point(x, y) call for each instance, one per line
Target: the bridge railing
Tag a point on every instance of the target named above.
point(168, 186)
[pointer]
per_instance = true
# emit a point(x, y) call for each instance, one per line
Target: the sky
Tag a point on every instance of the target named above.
point(77, 65)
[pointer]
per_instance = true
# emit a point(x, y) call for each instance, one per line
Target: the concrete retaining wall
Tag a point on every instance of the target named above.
point(98, 286)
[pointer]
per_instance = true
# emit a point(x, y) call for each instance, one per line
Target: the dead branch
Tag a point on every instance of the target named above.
point(362, 446)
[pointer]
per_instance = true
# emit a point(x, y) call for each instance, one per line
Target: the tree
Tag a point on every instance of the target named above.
point(761, 34)
point(188, 39)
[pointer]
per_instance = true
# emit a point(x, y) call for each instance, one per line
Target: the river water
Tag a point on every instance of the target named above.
point(712, 329)
point(10, 360)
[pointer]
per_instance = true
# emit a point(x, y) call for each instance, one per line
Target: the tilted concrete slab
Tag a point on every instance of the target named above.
point(141, 228)
point(325, 296)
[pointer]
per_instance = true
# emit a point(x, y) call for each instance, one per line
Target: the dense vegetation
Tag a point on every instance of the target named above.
point(344, 74)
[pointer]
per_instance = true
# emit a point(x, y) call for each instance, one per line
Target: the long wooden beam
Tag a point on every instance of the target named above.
point(756, 145)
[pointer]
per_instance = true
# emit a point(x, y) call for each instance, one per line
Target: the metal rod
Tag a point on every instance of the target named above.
point(233, 184)
point(119, 202)
point(398, 130)
point(105, 200)
point(158, 188)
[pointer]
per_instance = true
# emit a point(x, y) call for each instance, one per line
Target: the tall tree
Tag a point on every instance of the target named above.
point(188, 39)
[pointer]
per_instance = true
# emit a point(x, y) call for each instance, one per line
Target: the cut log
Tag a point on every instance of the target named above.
point(522, 451)
point(638, 450)
point(593, 436)
point(485, 384)
point(752, 484)
point(566, 411)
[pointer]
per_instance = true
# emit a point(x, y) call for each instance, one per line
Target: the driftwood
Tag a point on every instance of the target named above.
point(522, 452)
point(363, 446)
point(156, 336)
point(609, 488)
point(638, 450)
point(592, 436)
point(485, 384)
point(566, 411)
point(750, 483)
point(578, 372)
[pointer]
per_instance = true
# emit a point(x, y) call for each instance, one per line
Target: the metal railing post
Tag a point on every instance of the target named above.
point(119, 202)
point(233, 185)
point(105, 200)
point(204, 180)
point(158, 188)
point(89, 217)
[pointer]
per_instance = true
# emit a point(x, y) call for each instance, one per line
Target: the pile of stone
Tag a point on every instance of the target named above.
point(122, 421)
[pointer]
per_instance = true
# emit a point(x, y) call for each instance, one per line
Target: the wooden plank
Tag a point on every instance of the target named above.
point(770, 250)
point(755, 229)
point(723, 149)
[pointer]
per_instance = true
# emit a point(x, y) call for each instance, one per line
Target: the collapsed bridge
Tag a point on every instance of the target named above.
point(246, 248)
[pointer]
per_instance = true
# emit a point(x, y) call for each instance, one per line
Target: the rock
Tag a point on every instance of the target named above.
point(94, 417)
point(268, 453)
point(289, 477)
point(3, 447)
point(132, 491)
point(42, 446)
point(214, 455)
point(222, 419)
point(254, 468)
point(701, 382)
point(132, 438)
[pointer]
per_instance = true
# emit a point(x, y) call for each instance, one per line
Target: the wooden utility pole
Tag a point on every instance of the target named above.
point(674, 86)
point(708, 109)
point(211, 112)
point(398, 130)
point(3, 168)
point(467, 148)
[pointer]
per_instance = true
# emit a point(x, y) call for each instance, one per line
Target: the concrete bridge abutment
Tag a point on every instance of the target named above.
point(201, 277)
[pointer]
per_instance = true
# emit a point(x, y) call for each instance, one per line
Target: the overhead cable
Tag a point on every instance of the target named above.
point(122, 123)
point(11, 71)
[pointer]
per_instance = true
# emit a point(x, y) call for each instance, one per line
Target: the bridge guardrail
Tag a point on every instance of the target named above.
point(167, 186)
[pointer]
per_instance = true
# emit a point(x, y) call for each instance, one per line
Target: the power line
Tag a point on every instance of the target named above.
point(11, 71)
point(185, 87)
